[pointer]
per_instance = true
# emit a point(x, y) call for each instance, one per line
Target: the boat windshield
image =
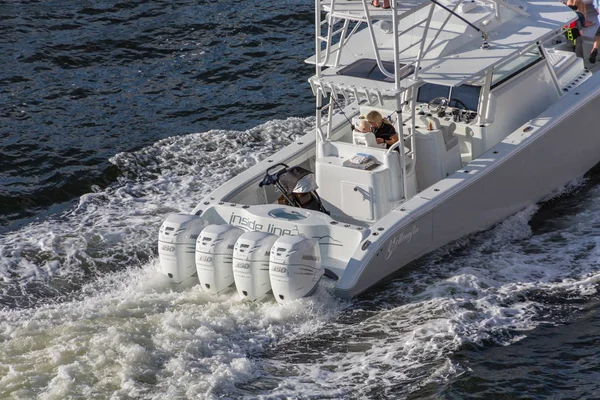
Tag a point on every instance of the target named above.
point(465, 97)
point(515, 67)
point(430, 91)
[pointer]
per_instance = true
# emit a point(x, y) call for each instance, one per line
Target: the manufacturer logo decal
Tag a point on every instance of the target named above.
point(400, 238)
point(278, 269)
point(168, 247)
point(205, 259)
point(242, 265)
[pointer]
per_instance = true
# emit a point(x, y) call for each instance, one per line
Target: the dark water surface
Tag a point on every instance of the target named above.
point(552, 362)
point(82, 81)
point(114, 114)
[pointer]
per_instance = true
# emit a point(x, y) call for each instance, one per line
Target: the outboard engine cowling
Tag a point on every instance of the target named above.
point(251, 264)
point(214, 256)
point(294, 267)
point(176, 243)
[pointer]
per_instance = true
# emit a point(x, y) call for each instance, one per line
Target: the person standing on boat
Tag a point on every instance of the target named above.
point(375, 3)
point(383, 130)
point(574, 32)
point(594, 52)
point(580, 4)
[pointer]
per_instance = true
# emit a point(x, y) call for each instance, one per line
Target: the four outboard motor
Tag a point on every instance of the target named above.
point(295, 267)
point(214, 256)
point(176, 243)
point(251, 264)
point(220, 255)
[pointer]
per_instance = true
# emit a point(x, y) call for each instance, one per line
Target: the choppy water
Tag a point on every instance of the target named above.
point(100, 102)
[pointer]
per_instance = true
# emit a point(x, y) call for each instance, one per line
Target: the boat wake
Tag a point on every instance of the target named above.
point(133, 336)
point(116, 228)
point(86, 312)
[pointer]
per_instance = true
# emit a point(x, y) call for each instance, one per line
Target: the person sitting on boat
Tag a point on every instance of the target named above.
point(384, 131)
point(364, 126)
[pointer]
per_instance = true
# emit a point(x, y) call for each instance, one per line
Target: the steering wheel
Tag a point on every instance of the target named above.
point(459, 104)
point(437, 105)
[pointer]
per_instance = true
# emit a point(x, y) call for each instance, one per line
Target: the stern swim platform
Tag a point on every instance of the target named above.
point(336, 240)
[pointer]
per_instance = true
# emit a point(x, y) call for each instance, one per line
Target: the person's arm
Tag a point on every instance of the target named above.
point(393, 139)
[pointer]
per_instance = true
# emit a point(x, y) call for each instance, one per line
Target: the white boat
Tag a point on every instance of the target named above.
point(495, 112)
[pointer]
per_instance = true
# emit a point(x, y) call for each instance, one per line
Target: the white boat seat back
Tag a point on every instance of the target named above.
point(366, 139)
point(447, 130)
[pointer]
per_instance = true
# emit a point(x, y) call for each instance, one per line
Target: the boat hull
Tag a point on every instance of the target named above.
point(523, 169)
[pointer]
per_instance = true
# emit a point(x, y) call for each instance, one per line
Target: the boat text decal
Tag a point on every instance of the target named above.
point(252, 225)
point(399, 239)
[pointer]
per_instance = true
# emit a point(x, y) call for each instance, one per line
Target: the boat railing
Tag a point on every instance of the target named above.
point(406, 157)
point(330, 39)
point(333, 31)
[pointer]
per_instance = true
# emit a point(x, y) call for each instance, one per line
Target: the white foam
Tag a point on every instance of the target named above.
point(130, 336)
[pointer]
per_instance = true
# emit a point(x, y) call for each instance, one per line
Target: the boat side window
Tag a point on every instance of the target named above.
point(515, 67)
